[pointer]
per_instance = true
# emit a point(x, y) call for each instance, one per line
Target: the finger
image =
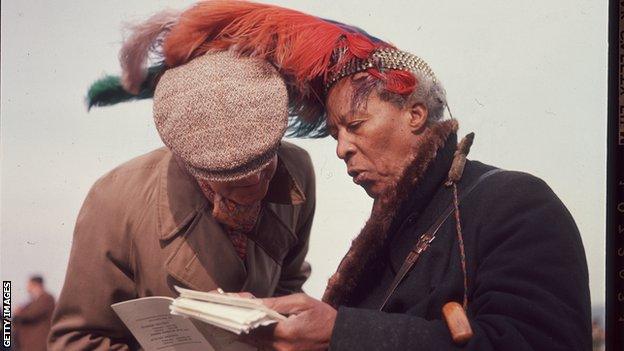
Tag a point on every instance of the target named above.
point(244, 294)
point(288, 304)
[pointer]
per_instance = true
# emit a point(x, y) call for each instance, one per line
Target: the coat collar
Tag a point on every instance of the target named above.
point(415, 208)
point(179, 199)
point(422, 192)
point(284, 188)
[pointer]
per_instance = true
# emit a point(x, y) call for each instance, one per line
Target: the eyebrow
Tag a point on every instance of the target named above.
point(343, 118)
point(331, 124)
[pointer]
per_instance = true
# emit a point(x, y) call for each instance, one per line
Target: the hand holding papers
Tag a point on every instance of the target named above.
point(161, 323)
point(236, 314)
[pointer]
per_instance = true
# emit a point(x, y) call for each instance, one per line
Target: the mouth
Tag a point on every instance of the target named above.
point(359, 176)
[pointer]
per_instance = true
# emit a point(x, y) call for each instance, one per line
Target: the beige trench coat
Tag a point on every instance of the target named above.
point(146, 226)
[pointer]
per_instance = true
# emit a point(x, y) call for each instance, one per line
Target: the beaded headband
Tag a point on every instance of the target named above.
point(381, 59)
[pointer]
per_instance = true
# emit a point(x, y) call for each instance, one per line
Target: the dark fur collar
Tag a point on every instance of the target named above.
point(368, 246)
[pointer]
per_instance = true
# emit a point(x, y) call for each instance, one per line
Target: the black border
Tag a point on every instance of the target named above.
point(615, 181)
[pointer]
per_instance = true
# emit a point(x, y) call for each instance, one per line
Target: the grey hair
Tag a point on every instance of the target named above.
point(429, 91)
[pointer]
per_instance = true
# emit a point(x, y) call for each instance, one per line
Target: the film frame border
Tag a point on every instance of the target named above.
point(615, 181)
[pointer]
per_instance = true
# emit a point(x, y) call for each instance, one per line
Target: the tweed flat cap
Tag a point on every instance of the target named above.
point(224, 115)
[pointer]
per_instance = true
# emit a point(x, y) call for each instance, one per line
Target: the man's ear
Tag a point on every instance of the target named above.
point(418, 116)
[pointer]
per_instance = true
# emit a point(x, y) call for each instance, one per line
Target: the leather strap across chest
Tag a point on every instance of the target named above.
point(425, 239)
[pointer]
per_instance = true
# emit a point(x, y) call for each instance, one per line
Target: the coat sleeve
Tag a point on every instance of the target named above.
point(295, 270)
point(98, 275)
point(530, 290)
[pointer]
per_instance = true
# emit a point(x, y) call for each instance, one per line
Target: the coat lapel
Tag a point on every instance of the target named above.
point(206, 259)
point(272, 234)
point(268, 244)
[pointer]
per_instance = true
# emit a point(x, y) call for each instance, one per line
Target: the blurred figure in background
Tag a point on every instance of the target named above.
point(598, 336)
point(32, 321)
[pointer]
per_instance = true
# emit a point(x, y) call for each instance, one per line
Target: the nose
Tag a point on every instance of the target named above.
point(344, 147)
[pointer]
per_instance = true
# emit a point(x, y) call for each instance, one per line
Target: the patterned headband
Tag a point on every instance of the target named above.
point(382, 59)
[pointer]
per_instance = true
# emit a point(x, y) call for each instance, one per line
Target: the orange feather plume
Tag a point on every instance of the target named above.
point(300, 45)
point(305, 49)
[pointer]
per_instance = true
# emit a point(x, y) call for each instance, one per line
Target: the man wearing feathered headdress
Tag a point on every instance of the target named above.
point(456, 254)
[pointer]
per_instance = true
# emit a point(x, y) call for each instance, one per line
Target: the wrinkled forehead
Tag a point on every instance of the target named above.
point(339, 101)
point(344, 99)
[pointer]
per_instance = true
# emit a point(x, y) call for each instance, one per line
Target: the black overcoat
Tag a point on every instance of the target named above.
point(527, 273)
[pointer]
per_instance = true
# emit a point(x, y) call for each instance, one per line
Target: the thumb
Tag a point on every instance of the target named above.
point(290, 304)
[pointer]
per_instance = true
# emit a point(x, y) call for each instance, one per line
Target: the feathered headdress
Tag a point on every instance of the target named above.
point(309, 52)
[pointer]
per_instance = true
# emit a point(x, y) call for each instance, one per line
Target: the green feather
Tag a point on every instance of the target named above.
point(109, 91)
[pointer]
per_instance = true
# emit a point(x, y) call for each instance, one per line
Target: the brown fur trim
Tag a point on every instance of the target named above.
point(366, 249)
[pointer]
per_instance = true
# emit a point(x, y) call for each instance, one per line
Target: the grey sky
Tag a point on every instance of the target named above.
point(528, 77)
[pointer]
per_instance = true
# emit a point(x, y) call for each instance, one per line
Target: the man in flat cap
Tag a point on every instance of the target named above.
point(456, 255)
point(225, 204)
